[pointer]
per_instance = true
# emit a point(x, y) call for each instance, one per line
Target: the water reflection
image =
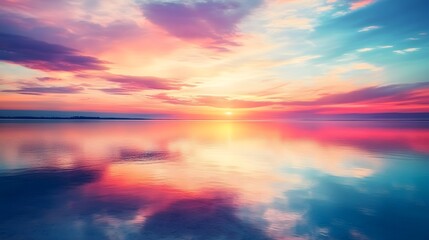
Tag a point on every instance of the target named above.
point(214, 180)
point(212, 218)
point(127, 154)
point(391, 205)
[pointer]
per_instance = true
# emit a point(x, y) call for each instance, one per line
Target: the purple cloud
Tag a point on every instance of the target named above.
point(130, 84)
point(389, 93)
point(48, 79)
point(40, 90)
point(45, 56)
point(211, 19)
point(70, 32)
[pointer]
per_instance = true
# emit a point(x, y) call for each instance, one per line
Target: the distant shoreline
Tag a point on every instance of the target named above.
point(304, 119)
point(73, 118)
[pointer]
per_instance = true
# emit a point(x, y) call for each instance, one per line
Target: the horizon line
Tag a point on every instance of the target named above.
point(424, 116)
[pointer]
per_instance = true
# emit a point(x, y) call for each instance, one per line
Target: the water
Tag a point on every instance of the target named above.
point(213, 180)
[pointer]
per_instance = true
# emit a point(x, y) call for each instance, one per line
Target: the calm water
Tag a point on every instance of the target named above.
point(214, 180)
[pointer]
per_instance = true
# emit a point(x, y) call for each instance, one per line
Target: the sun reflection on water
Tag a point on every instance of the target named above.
point(271, 179)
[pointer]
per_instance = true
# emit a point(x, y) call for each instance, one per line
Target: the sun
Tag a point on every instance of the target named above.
point(228, 113)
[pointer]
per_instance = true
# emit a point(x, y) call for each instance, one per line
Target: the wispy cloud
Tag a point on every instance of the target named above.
point(299, 60)
point(369, 49)
point(369, 28)
point(395, 95)
point(382, 94)
point(354, 5)
point(365, 49)
point(40, 90)
point(407, 50)
point(48, 79)
point(325, 8)
point(340, 13)
point(131, 84)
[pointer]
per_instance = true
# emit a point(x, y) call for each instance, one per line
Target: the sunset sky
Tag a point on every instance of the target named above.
point(214, 58)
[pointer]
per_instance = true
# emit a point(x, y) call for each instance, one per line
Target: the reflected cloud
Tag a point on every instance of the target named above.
point(35, 194)
point(394, 204)
point(37, 146)
point(146, 156)
point(221, 143)
point(200, 219)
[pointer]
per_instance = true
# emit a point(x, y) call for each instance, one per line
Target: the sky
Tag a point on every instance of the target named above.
point(254, 59)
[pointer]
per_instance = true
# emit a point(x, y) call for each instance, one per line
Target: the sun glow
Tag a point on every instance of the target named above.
point(228, 113)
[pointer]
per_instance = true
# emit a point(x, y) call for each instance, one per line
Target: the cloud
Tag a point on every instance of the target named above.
point(212, 20)
point(40, 90)
point(340, 13)
point(357, 66)
point(130, 84)
point(389, 93)
point(374, 48)
point(355, 5)
point(69, 31)
point(360, 4)
point(28, 5)
point(294, 60)
point(407, 50)
point(48, 79)
point(325, 8)
point(396, 94)
point(365, 49)
point(369, 28)
point(291, 22)
point(117, 38)
point(44, 56)
point(212, 101)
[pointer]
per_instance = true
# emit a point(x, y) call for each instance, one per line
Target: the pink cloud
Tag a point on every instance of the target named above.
point(360, 4)
point(130, 84)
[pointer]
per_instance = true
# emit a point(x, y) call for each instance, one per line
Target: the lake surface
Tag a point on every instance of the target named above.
point(213, 180)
